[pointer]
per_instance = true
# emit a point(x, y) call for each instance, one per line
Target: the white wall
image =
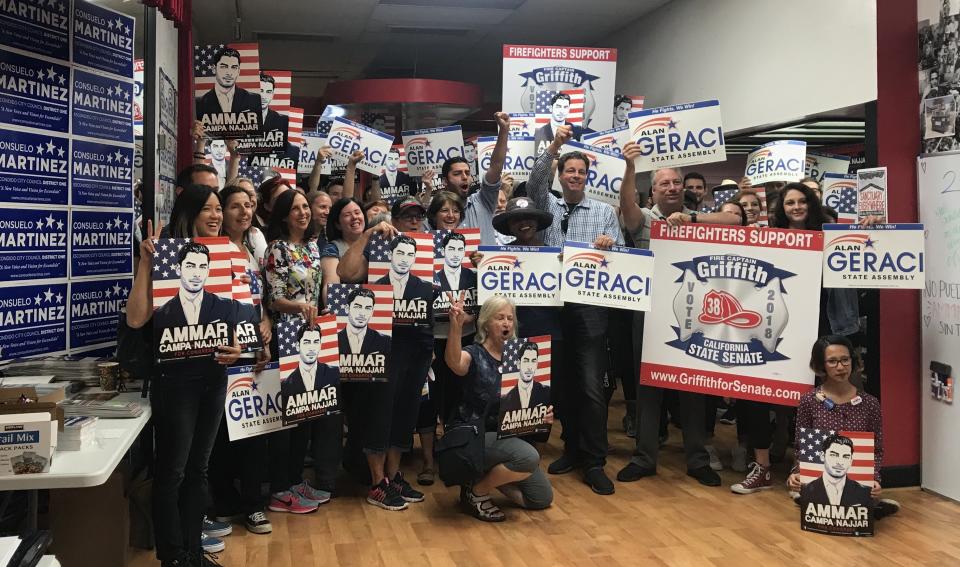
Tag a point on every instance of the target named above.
point(767, 61)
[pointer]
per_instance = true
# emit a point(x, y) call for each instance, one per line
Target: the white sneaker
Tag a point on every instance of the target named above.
point(715, 463)
point(739, 461)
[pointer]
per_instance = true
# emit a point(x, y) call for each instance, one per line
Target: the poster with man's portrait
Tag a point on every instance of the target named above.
point(836, 471)
point(309, 373)
point(525, 387)
point(395, 183)
point(405, 263)
point(364, 329)
point(555, 109)
point(938, 66)
point(191, 319)
point(226, 88)
point(275, 93)
point(454, 275)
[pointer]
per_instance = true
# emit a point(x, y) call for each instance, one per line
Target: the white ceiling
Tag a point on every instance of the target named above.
point(330, 40)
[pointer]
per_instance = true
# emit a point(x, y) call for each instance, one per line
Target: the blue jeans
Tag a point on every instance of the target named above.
point(186, 416)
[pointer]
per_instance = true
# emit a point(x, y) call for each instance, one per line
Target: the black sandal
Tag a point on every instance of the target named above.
point(482, 508)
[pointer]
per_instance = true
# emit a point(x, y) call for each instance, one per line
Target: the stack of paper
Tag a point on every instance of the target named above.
point(78, 433)
point(102, 408)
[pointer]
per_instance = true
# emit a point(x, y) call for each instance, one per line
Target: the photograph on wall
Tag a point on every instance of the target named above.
point(941, 382)
point(227, 90)
point(309, 374)
point(938, 66)
point(190, 319)
point(364, 329)
point(836, 471)
point(525, 387)
point(454, 275)
point(405, 263)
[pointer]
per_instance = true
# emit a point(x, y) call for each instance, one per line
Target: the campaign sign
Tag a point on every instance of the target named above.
point(226, 89)
point(101, 243)
point(34, 93)
point(253, 405)
point(782, 160)
point(520, 156)
point(33, 320)
point(395, 184)
point(840, 193)
point(364, 329)
point(837, 473)
point(312, 142)
point(881, 256)
point(816, 165)
point(527, 275)
point(454, 275)
point(274, 162)
point(138, 97)
point(604, 172)
point(530, 69)
point(872, 193)
point(33, 244)
point(102, 175)
point(407, 259)
point(619, 277)
point(427, 149)
point(33, 168)
point(41, 27)
point(736, 307)
point(525, 387)
point(612, 140)
point(102, 38)
point(192, 318)
point(102, 107)
point(94, 311)
point(347, 137)
point(523, 124)
point(678, 135)
point(309, 373)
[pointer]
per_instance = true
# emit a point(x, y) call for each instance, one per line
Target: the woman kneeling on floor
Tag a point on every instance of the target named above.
point(512, 465)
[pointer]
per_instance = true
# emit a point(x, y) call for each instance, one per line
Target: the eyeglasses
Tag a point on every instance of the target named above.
point(834, 362)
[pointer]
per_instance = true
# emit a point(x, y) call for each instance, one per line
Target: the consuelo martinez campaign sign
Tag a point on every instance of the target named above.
point(734, 314)
point(674, 136)
point(883, 256)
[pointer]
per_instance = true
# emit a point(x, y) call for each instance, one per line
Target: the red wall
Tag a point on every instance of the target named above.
point(898, 142)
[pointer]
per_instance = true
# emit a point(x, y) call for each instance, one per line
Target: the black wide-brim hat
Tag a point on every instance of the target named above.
point(520, 208)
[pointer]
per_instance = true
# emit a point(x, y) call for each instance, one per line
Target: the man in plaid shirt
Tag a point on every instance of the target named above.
point(581, 401)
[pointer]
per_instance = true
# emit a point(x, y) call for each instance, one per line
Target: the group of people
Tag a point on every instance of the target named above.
point(299, 242)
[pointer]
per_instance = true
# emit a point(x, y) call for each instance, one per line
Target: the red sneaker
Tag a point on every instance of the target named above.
point(757, 479)
point(291, 502)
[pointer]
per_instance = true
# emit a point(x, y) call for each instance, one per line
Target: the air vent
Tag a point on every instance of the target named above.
point(306, 37)
point(416, 30)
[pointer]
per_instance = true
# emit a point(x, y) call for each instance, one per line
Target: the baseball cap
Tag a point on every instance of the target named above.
point(404, 205)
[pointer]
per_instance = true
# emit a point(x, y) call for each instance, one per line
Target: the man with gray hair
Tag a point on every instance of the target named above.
point(667, 190)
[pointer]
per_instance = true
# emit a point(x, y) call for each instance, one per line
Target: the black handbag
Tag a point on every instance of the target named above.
point(460, 452)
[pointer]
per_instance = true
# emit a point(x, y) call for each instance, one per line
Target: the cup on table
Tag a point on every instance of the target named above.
point(109, 375)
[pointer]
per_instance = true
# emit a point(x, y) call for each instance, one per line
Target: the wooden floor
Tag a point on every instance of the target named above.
point(665, 520)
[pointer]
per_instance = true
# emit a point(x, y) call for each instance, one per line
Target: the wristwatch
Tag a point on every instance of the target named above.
point(693, 218)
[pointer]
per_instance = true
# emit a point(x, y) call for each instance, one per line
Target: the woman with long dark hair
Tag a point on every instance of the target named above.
point(187, 397)
point(293, 271)
point(267, 192)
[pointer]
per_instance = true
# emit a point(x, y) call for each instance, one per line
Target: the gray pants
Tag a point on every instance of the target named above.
point(519, 456)
point(649, 399)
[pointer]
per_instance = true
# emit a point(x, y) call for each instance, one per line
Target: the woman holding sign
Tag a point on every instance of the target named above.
point(295, 277)
point(187, 396)
point(512, 465)
point(837, 405)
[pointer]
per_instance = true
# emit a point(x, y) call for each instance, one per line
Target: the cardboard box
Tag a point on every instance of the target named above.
point(26, 400)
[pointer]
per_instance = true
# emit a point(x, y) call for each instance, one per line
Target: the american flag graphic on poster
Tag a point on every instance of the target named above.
point(364, 329)
point(166, 278)
point(246, 96)
point(309, 368)
point(385, 123)
point(636, 102)
point(256, 173)
point(840, 192)
point(413, 304)
point(810, 454)
point(451, 259)
point(544, 106)
point(403, 157)
point(525, 387)
point(295, 132)
point(721, 196)
point(323, 127)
